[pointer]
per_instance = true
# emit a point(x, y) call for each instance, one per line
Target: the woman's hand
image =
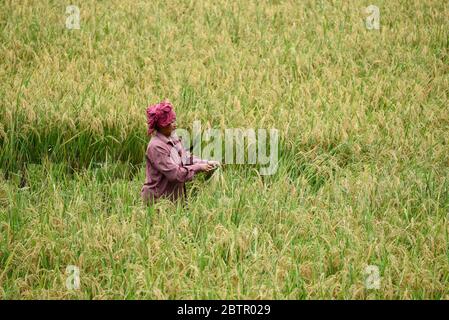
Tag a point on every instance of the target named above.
point(206, 167)
point(214, 163)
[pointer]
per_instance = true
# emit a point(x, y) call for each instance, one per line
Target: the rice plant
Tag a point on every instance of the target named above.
point(363, 175)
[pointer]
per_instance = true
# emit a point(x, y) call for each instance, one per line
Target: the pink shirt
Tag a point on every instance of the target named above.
point(168, 167)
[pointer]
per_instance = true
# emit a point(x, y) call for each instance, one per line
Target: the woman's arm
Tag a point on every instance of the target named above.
point(162, 161)
point(189, 159)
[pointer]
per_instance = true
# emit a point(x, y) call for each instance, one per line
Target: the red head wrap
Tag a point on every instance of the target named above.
point(160, 115)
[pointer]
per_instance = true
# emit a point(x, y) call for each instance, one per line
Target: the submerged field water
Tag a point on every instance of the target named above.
point(363, 175)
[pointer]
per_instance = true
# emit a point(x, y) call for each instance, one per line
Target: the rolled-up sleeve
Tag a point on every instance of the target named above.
point(160, 157)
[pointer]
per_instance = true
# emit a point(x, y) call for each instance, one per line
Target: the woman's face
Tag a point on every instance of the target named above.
point(168, 130)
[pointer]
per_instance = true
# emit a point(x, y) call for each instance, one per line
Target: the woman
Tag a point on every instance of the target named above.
point(168, 166)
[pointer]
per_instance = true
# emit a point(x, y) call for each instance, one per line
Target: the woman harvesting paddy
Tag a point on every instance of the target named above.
point(168, 165)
